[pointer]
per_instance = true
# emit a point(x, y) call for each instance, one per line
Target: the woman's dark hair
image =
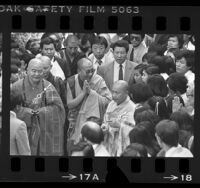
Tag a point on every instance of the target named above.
point(149, 126)
point(183, 119)
point(157, 85)
point(145, 114)
point(140, 134)
point(121, 43)
point(169, 64)
point(177, 82)
point(140, 67)
point(159, 62)
point(84, 147)
point(189, 57)
point(140, 92)
point(179, 37)
point(151, 69)
point(168, 132)
point(15, 99)
point(135, 150)
point(47, 41)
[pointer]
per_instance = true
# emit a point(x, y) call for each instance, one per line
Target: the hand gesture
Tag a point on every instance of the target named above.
point(176, 104)
point(86, 86)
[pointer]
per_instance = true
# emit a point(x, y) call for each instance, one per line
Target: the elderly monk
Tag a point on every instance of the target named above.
point(118, 119)
point(42, 111)
point(87, 95)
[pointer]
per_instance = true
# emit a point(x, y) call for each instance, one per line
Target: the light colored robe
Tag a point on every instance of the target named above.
point(93, 105)
point(117, 139)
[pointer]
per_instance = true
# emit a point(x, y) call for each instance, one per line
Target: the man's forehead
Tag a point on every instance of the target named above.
point(48, 45)
point(37, 64)
point(135, 35)
point(73, 43)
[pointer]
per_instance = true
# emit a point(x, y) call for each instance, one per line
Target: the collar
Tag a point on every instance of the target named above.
point(102, 59)
point(125, 101)
point(95, 146)
point(13, 114)
point(117, 64)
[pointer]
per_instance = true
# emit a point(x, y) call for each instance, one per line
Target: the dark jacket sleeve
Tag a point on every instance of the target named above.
point(65, 67)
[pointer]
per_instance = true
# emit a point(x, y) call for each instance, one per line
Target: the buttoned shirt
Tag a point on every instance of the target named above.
point(116, 70)
point(56, 70)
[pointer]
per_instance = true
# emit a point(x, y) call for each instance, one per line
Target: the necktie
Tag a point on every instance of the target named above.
point(132, 55)
point(99, 62)
point(120, 72)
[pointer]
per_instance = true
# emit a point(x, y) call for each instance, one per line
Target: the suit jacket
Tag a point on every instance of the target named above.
point(19, 143)
point(64, 66)
point(107, 72)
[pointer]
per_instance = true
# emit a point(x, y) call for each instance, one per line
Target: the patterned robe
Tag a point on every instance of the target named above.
point(45, 125)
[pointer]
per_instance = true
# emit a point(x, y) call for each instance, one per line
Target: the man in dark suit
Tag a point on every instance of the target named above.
point(120, 68)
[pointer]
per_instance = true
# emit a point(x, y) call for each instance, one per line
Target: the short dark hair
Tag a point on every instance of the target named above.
point(177, 82)
point(158, 85)
point(141, 34)
point(15, 99)
point(183, 119)
point(189, 57)
point(179, 37)
point(145, 114)
point(47, 41)
point(140, 67)
point(99, 40)
point(168, 132)
point(151, 69)
point(135, 150)
point(169, 64)
point(29, 42)
point(140, 134)
point(84, 147)
point(121, 43)
point(159, 62)
point(140, 92)
point(95, 136)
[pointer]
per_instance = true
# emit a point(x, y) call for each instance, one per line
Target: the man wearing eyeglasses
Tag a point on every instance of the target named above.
point(42, 110)
point(87, 95)
point(137, 48)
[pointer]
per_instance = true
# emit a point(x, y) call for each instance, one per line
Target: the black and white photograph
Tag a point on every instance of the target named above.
point(102, 94)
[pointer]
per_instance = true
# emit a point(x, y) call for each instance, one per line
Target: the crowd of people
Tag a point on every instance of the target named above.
point(101, 94)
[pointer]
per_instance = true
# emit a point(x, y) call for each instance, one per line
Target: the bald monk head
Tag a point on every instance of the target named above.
point(46, 64)
point(35, 71)
point(86, 69)
point(92, 132)
point(71, 43)
point(120, 91)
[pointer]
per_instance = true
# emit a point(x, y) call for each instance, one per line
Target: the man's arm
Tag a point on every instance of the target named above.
point(72, 103)
point(22, 140)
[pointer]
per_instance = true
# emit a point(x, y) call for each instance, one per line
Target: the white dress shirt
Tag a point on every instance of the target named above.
point(56, 70)
point(116, 70)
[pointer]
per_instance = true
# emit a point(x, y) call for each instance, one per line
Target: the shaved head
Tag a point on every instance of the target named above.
point(45, 60)
point(35, 62)
point(84, 63)
point(92, 132)
point(71, 39)
point(46, 64)
point(121, 84)
point(35, 71)
point(120, 91)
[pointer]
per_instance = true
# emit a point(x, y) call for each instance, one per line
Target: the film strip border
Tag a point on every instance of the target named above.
point(100, 18)
point(181, 20)
point(100, 169)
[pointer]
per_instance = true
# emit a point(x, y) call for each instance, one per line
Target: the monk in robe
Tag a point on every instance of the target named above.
point(42, 111)
point(87, 96)
point(118, 119)
point(59, 84)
